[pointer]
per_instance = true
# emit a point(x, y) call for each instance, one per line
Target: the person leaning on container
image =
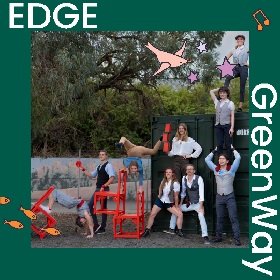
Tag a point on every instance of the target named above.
point(167, 198)
point(193, 189)
point(183, 148)
point(240, 56)
point(133, 162)
point(225, 198)
point(224, 124)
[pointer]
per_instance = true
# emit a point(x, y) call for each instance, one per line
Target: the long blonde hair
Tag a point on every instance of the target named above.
point(185, 136)
point(164, 180)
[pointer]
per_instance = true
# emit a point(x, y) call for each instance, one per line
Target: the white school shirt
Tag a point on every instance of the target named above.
point(181, 148)
point(166, 190)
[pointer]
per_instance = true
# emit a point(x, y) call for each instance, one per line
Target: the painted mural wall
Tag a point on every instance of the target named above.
point(62, 173)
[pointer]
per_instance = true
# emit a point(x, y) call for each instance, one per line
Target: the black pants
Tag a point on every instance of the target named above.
point(91, 207)
point(224, 202)
point(222, 135)
point(242, 72)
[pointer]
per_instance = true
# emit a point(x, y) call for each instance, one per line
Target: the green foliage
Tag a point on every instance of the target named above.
point(91, 88)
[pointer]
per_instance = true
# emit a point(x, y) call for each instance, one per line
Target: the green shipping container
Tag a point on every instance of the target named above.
point(201, 129)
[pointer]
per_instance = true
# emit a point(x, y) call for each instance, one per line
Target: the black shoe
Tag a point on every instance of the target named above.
point(237, 242)
point(239, 110)
point(101, 230)
point(96, 228)
point(119, 145)
point(146, 232)
point(170, 231)
point(216, 240)
point(206, 240)
point(180, 233)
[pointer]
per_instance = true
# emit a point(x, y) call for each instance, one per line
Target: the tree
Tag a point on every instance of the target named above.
point(77, 77)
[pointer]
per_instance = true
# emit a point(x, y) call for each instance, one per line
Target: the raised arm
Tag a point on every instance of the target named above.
point(212, 93)
point(236, 162)
point(209, 161)
point(91, 175)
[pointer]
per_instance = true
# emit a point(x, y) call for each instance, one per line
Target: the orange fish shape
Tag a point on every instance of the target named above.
point(30, 214)
point(166, 59)
point(4, 200)
point(14, 224)
point(52, 231)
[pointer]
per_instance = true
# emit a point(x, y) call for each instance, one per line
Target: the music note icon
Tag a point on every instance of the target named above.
point(266, 21)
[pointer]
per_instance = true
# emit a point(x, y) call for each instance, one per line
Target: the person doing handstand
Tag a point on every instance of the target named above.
point(134, 156)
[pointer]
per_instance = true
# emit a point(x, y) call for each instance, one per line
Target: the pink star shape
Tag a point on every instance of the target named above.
point(226, 68)
point(202, 47)
point(193, 77)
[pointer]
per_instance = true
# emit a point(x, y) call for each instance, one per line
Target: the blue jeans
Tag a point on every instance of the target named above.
point(223, 202)
point(242, 72)
point(192, 207)
point(222, 135)
point(91, 207)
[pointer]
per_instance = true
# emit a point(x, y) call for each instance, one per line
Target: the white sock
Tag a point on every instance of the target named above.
point(46, 208)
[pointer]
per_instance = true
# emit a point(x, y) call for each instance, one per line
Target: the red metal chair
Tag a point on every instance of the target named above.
point(36, 209)
point(166, 147)
point(138, 219)
point(168, 128)
point(166, 136)
point(119, 197)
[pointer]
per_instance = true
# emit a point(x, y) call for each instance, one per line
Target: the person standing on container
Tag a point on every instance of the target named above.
point(240, 56)
point(224, 125)
point(225, 198)
point(183, 148)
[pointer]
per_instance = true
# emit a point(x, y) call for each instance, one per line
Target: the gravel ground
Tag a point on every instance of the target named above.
point(70, 238)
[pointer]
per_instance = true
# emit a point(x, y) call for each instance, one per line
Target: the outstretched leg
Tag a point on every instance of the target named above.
point(127, 144)
point(153, 214)
point(140, 151)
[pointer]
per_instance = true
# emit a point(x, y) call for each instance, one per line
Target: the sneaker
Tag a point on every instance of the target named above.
point(170, 231)
point(216, 240)
point(101, 230)
point(180, 233)
point(96, 228)
point(119, 145)
point(237, 242)
point(46, 209)
point(239, 110)
point(146, 232)
point(206, 240)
